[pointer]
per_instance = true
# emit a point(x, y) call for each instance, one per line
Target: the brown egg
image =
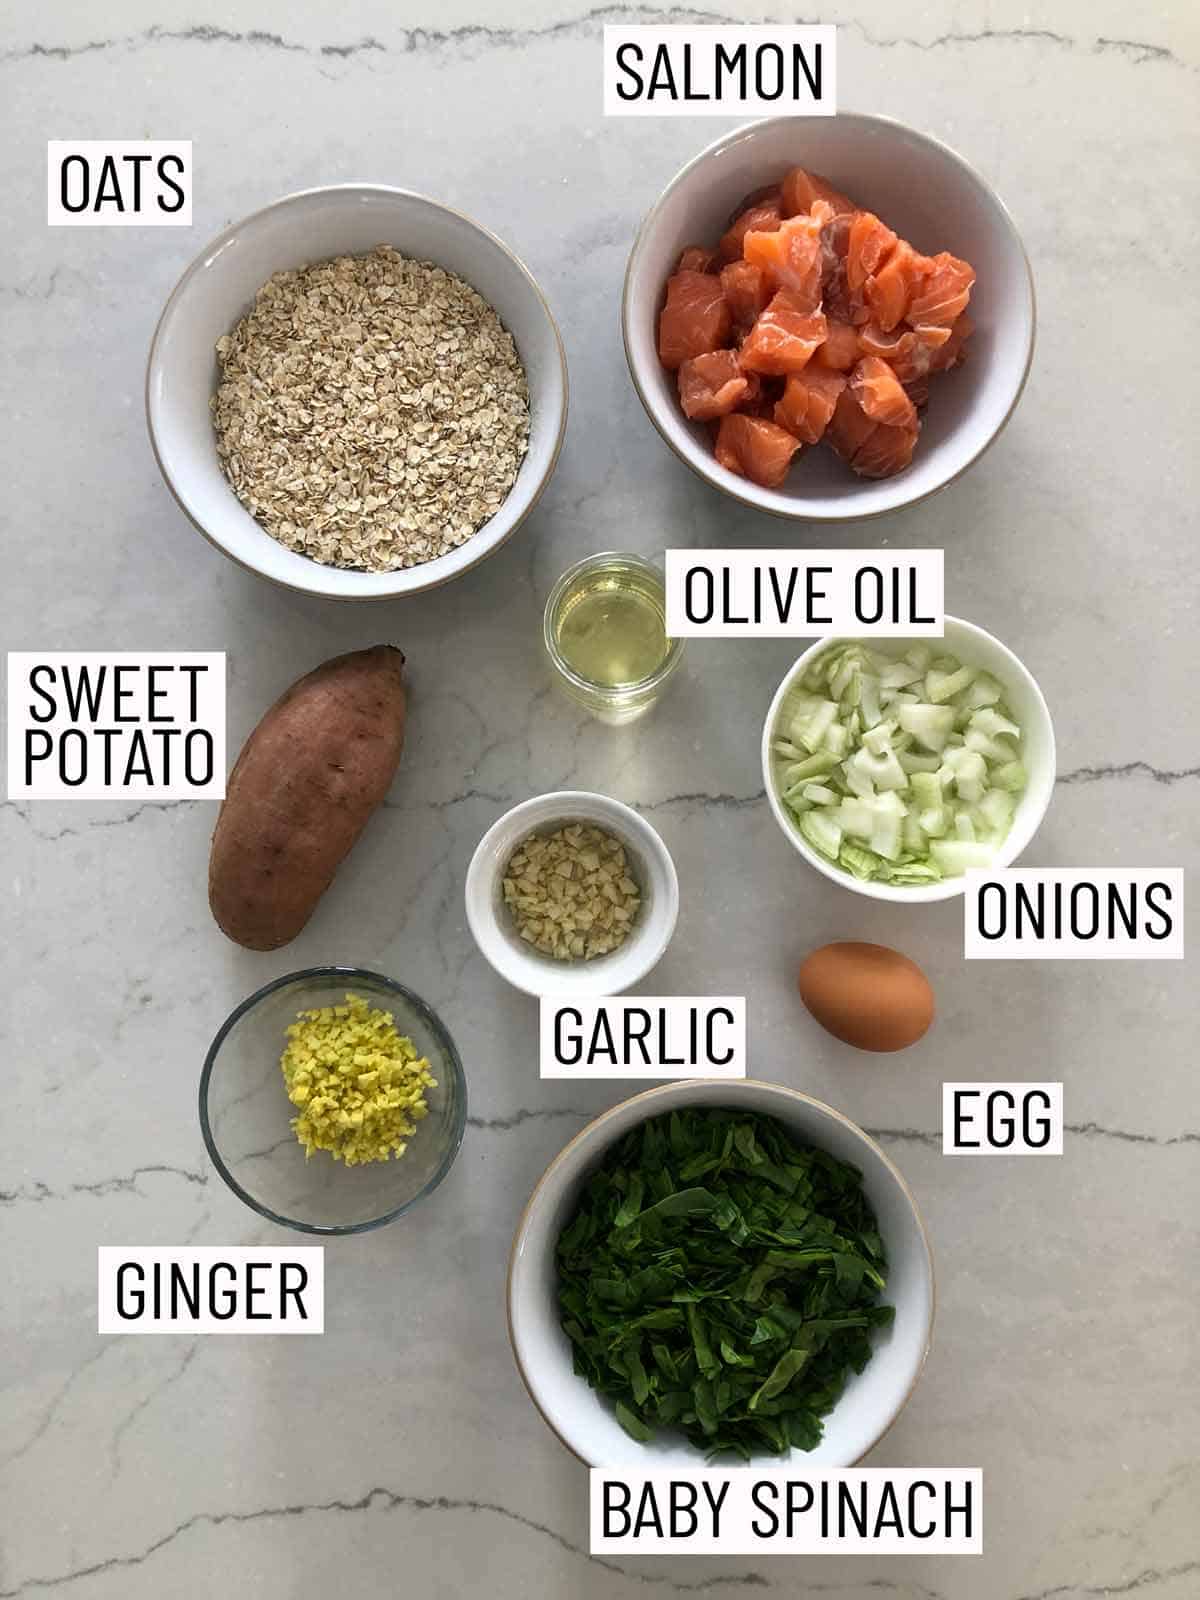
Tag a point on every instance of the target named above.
point(867, 995)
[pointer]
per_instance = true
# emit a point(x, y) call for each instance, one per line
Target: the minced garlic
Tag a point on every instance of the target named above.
point(359, 1085)
point(571, 893)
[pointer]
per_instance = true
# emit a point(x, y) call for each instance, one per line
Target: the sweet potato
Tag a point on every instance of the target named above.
point(307, 780)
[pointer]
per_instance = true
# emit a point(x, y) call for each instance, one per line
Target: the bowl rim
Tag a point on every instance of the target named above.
point(706, 468)
point(672, 1090)
point(928, 894)
point(432, 1021)
point(626, 819)
point(214, 246)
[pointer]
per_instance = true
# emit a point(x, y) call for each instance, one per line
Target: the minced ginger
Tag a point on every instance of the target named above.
point(358, 1083)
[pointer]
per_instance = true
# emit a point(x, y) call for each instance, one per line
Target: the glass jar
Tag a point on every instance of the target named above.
point(605, 634)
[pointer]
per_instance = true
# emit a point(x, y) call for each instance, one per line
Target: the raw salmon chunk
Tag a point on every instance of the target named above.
point(933, 335)
point(694, 320)
point(869, 245)
point(756, 449)
point(886, 451)
point(849, 427)
point(747, 293)
point(696, 259)
point(943, 295)
point(801, 188)
point(879, 392)
point(873, 449)
point(808, 402)
point(888, 291)
point(790, 256)
point(762, 396)
point(873, 341)
point(835, 239)
point(812, 322)
point(952, 353)
point(712, 385)
point(841, 348)
point(906, 354)
point(835, 243)
point(837, 300)
point(761, 218)
point(784, 337)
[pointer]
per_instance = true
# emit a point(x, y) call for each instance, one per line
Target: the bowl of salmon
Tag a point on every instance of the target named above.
point(828, 318)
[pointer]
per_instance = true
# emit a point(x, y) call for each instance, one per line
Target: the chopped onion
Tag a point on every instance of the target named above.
point(906, 769)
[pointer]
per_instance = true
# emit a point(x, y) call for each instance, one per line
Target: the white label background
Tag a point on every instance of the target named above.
point(738, 1512)
point(833, 592)
point(210, 714)
point(1101, 948)
point(975, 1119)
point(148, 215)
point(112, 1257)
point(676, 1008)
point(704, 42)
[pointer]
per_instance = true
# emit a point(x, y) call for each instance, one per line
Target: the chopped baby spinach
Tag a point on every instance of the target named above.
point(721, 1278)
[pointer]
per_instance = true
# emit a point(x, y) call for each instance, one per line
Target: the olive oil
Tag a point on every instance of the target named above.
point(605, 632)
point(611, 630)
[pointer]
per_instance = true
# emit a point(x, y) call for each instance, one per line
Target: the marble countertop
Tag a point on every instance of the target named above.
point(399, 1452)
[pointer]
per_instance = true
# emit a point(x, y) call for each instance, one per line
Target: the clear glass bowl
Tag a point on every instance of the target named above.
point(245, 1114)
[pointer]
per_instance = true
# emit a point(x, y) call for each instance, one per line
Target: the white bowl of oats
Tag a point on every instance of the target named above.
point(357, 392)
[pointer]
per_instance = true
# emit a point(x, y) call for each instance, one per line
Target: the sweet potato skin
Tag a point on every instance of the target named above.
point(300, 793)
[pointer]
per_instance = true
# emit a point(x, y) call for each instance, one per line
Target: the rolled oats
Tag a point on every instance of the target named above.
point(372, 411)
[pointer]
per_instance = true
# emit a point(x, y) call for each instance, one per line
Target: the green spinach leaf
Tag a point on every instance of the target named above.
point(721, 1278)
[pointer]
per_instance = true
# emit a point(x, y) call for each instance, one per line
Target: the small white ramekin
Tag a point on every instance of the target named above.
point(537, 974)
point(976, 648)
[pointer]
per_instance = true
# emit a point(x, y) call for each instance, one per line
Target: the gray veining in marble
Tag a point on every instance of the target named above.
point(398, 1452)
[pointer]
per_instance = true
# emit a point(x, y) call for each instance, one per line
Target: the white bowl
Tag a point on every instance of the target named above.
point(538, 974)
point(584, 1420)
point(219, 288)
point(975, 648)
point(932, 198)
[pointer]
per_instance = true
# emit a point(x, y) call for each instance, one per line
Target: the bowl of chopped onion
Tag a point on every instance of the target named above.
point(896, 766)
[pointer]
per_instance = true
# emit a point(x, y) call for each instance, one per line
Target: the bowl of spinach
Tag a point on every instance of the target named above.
point(730, 1270)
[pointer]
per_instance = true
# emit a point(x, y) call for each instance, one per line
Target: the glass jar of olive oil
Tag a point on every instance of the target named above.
point(605, 634)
